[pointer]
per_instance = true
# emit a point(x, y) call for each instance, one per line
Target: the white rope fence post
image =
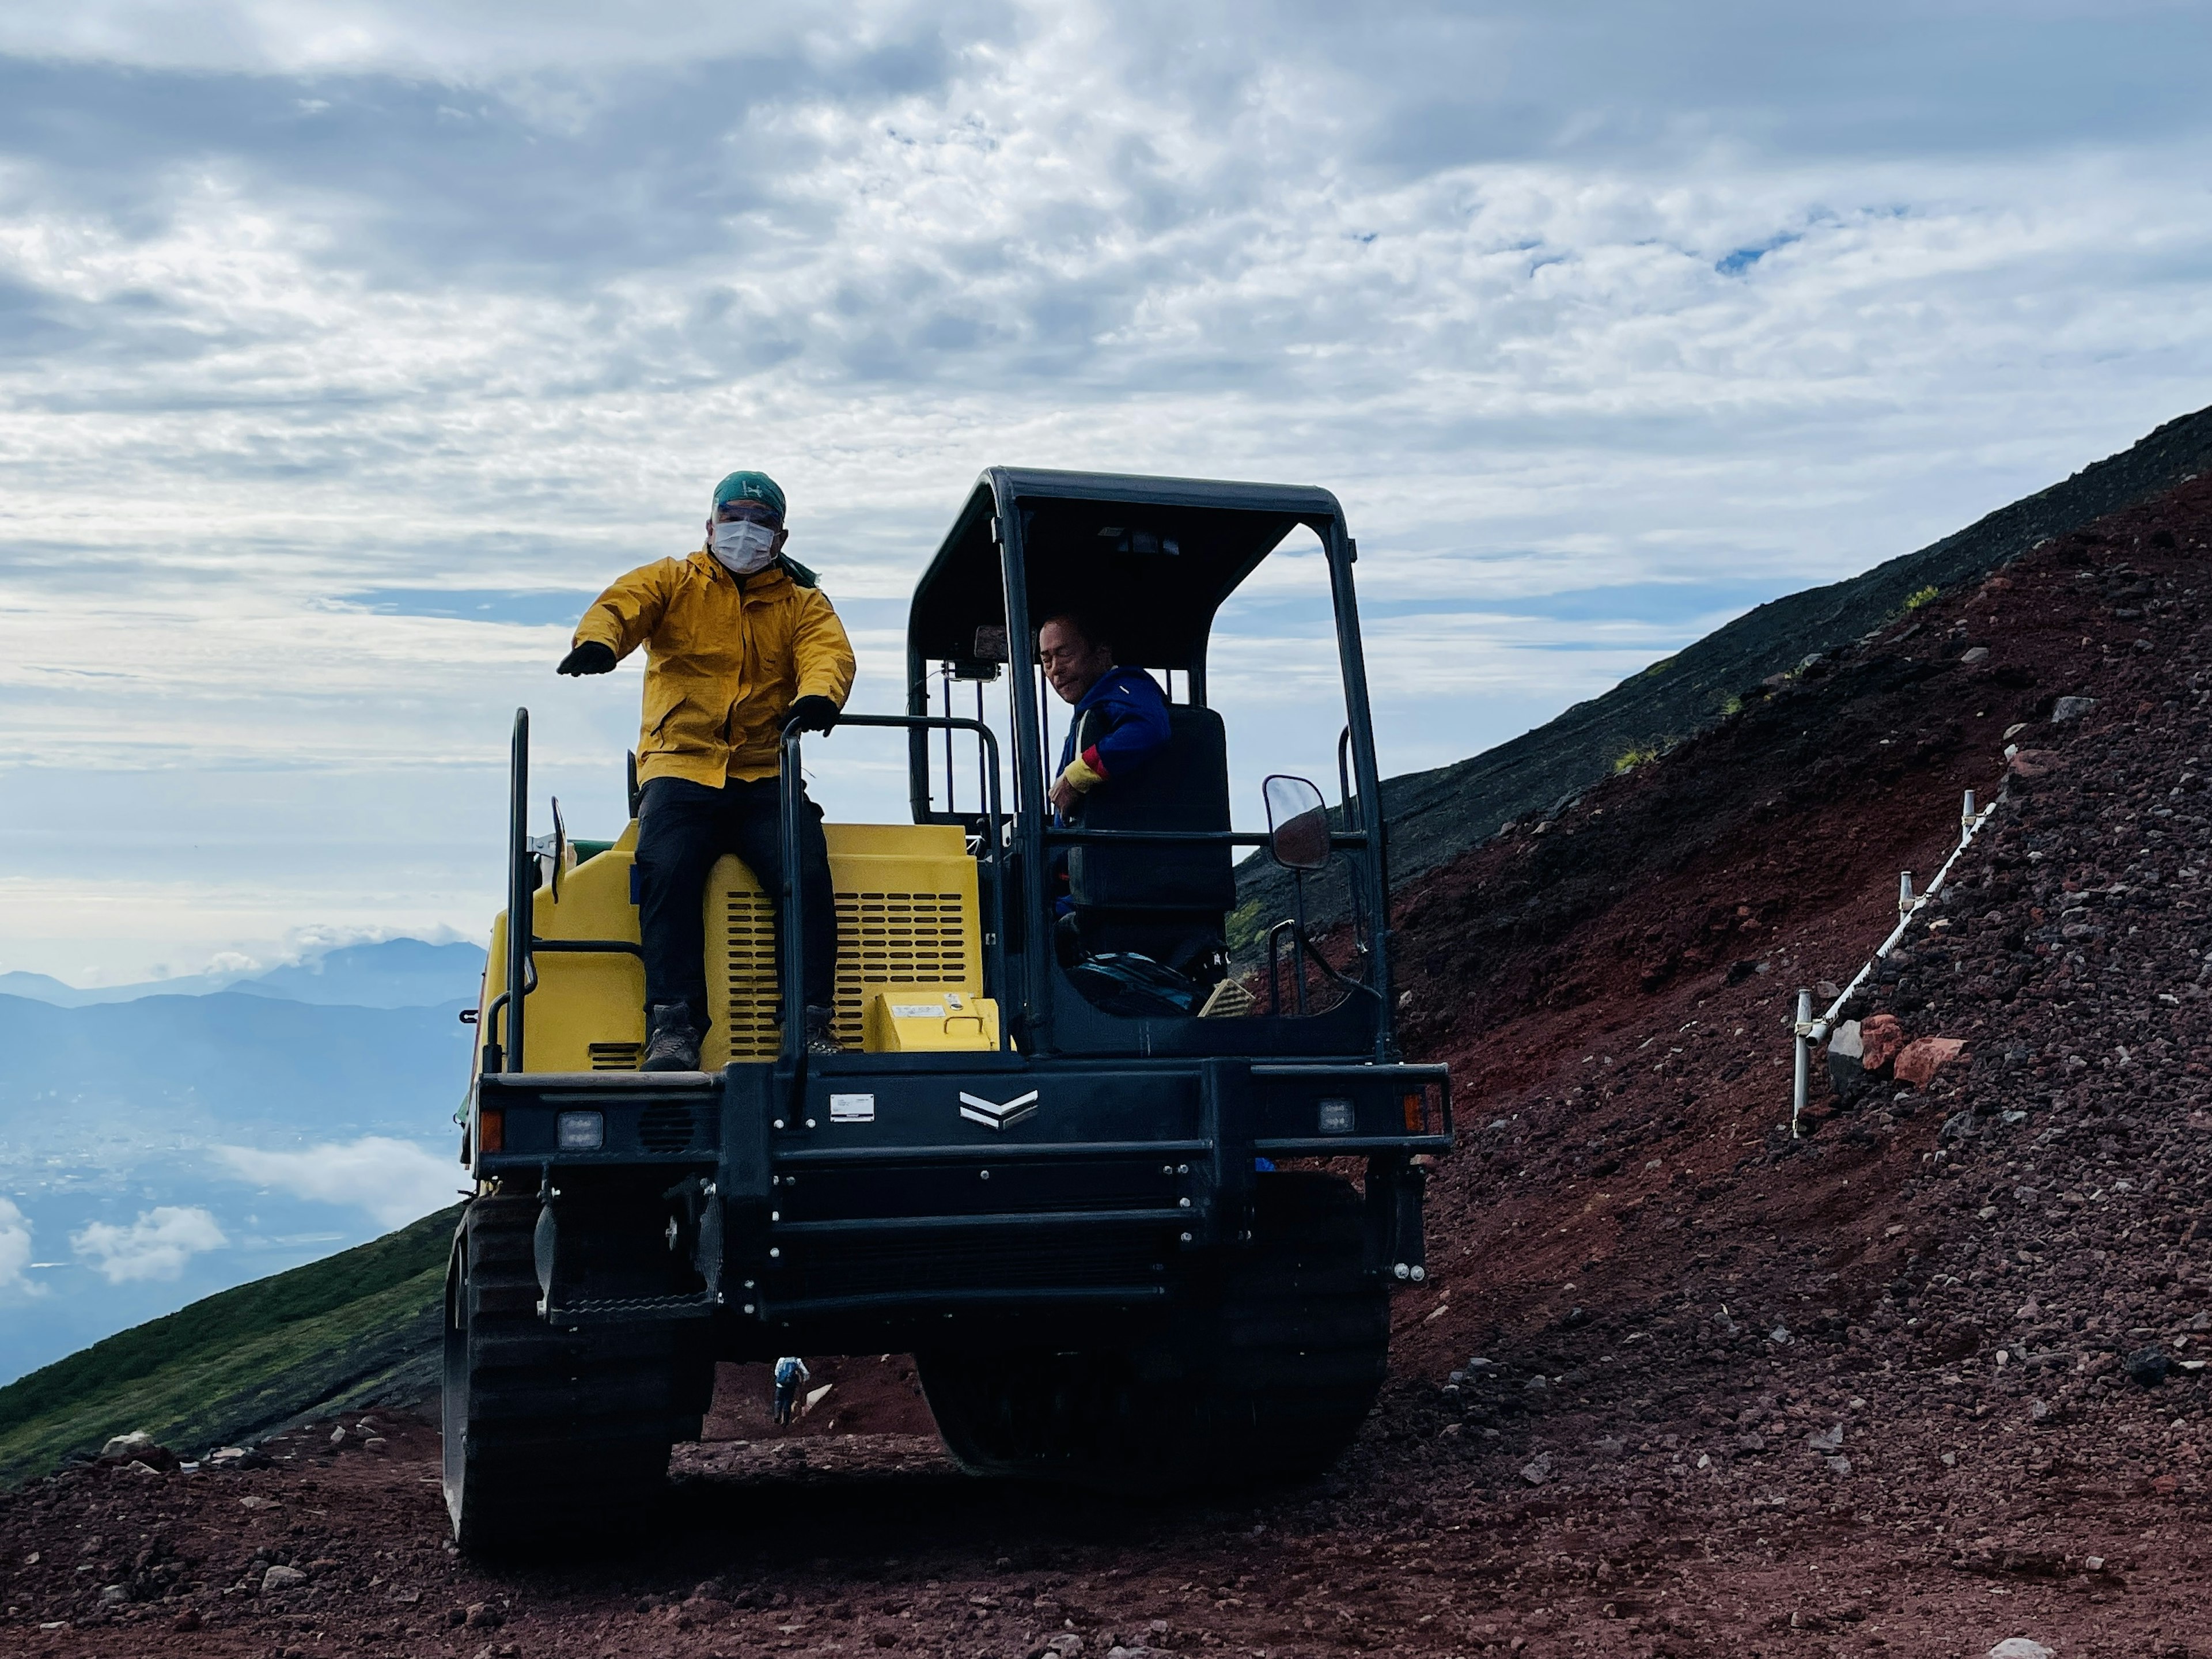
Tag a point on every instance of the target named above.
point(1804, 1055)
point(1809, 1030)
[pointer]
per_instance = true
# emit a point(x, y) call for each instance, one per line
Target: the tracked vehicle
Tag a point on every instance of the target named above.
point(1139, 1220)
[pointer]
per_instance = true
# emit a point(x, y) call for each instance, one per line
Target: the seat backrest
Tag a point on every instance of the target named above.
point(1185, 785)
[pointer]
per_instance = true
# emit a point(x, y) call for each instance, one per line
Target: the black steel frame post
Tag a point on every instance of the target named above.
point(1360, 722)
point(917, 737)
point(1345, 798)
point(790, 940)
point(1029, 779)
point(521, 890)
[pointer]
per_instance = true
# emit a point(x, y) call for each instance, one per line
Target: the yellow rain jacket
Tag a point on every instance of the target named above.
point(723, 663)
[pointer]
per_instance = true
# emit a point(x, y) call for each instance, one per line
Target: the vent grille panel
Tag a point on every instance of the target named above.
point(616, 1056)
point(745, 1021)
point(901, 920)
point(666, 1128)
point(895, 938)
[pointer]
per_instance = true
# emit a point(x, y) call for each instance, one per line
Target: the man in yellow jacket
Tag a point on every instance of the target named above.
point(738, 642)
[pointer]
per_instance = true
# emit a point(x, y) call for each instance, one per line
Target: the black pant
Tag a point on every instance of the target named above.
point(683, 828)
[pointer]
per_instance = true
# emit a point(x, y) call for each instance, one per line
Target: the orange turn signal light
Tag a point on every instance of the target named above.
point(491, 1132)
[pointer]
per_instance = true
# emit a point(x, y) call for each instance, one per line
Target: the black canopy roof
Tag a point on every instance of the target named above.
point(1150, 560)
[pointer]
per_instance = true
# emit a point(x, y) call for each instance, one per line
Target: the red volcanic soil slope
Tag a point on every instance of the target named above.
point(1924, 1378)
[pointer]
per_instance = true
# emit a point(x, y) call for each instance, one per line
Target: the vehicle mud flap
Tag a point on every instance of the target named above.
point(694, 1206)
point(545, 1250)
point(1396, 1250)
point(1268, 1374)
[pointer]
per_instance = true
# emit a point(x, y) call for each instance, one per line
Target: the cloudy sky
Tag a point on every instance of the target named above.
point(346, 348)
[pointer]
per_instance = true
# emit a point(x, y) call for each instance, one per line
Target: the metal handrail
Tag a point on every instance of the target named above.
point(522, 941)
point(990, 854)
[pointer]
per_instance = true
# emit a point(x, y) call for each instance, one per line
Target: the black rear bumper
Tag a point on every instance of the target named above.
point(896, 1193)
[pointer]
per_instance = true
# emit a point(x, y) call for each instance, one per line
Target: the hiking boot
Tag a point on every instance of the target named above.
point(671, 1043)
point(821, 1038)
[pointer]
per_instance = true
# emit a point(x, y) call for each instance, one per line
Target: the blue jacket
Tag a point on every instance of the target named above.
point(1128, 724)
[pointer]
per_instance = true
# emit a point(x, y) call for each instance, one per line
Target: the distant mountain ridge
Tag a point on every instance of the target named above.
point(397, 973)
point(1433, 816)
point(216, 1065)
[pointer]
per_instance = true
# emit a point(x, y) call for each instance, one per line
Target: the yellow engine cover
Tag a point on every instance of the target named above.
point(906, 915)
point(928, 1020)
point(907, 918)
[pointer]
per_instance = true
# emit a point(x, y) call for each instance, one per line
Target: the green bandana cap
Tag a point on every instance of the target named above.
point(751, 487)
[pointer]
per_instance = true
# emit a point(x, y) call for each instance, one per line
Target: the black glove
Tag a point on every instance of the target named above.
point(812, 715)
point(589, 657)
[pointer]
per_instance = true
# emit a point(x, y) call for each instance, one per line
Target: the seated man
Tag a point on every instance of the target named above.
point(738, 641)
point(1121, 714)
point(1134, 764)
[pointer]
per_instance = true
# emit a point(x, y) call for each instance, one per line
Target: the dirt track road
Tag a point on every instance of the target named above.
point(1427, 1542)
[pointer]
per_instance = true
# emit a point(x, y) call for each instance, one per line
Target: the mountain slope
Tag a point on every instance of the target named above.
point(1434, 816)
point(355, 1326)
point(396, 973)
point(1926, 1378)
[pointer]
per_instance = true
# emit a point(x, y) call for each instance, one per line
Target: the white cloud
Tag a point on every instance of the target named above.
point(155, 1246)
point(503, 38)
point(403, 297)
point(15, 1247)
point(395, 1181)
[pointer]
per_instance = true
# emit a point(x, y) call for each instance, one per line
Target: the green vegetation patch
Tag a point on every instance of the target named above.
point(1914, 600)
point(1243, 926)
point(239, 1358)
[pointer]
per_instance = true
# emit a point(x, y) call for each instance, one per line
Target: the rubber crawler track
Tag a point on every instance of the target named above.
point(1270, 1377)
point(548, 1432)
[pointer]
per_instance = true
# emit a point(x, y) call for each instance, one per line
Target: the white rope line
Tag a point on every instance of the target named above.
point(1809, 1031)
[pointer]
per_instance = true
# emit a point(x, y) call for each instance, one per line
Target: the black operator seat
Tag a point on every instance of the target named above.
point(1166, 903)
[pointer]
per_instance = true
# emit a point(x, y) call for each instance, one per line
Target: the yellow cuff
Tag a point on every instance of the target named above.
point(1080, 778)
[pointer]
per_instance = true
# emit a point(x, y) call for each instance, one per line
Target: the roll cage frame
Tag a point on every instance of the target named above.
point(1011, 557)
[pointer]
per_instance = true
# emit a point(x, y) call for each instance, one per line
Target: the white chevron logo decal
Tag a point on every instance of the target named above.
point(992, 1116)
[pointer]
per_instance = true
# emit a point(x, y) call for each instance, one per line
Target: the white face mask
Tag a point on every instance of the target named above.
point(744, 546)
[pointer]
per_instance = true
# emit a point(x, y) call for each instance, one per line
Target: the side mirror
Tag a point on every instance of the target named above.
point(1298, 823)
